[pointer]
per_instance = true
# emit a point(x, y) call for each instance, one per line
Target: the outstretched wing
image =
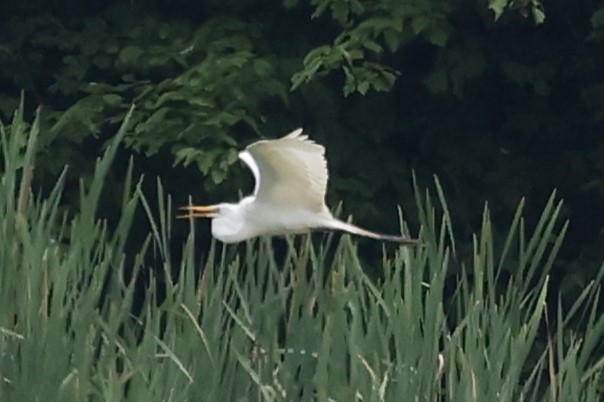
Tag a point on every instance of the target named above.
point(290, 171)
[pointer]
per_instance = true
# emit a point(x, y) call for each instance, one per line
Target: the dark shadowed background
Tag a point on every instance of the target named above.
point(500, 99)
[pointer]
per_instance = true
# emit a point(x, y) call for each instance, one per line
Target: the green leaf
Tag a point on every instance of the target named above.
point(111, 46)
point(391, 37)
point(262, 67)
point(130, 54)
point(438, 35)
point(420, 23)
point(340, 11)
point(538, 15)
point(204, 161)
point(363, 87)
point(498, 7)
point(218, 175)
point(373, 46)
point(112, 99)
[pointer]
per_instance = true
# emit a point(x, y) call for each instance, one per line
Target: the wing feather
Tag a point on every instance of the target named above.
point(290, 171)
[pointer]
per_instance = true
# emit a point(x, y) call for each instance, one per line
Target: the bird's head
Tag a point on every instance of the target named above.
point(200, 211)
point(227, 219)
point(220, 211)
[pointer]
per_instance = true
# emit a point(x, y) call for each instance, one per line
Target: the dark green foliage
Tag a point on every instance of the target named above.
point(497, 104)
point(370, 29)
point(502, 99)
point(191, 85)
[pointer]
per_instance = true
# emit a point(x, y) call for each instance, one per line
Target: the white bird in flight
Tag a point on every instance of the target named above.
point(289, 195)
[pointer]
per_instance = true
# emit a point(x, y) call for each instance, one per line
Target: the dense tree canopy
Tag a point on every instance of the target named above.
point(501, 99)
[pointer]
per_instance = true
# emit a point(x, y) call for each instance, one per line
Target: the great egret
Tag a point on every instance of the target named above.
point(289, 196)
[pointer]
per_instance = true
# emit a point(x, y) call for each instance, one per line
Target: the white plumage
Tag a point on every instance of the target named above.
point(289, 195)
point(289, 171)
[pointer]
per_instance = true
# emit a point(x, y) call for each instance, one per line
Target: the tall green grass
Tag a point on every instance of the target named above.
point(242, 326)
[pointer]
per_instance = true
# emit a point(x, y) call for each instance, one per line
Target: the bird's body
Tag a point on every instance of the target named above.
point(251, 218)
point(289, 196)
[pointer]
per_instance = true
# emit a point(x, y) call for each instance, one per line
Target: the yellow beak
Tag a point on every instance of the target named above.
point(198, 211)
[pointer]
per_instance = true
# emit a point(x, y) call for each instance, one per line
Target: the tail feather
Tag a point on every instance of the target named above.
point(350, 228)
